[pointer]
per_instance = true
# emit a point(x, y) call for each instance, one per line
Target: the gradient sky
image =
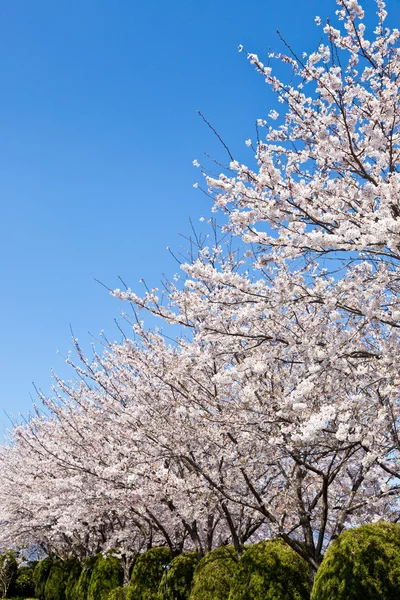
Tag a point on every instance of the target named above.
point(98, 131)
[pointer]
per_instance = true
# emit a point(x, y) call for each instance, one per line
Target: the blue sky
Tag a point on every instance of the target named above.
point(98, 131)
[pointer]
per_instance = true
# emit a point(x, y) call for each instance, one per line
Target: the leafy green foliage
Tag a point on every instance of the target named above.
point(8, 573)
point(363, 564)
point(24, 584)
point(271, 570)
point(40, 574)
point(178, 578)
point(213, 576)
point(118, 593)
point(107, 575)
point(147, 574)
point(59, 578)
point(80, 588)
point(55, 583)
point(74, 572)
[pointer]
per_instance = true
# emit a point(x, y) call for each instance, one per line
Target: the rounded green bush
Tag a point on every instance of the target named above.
point(178, 578)
point(271, 570)
point(363, 564)
point(147, 573)
point(107, 575)
point(40, 574)
point(214, 575)
point(80, 588)
point(56, 582)
point(24, 584)
point(59, 578)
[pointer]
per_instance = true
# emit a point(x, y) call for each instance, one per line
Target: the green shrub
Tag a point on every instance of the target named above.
point(107, 575)
point(179, 577)
point(80, 589)
point(74, 573)
point(59, 577)
point(55, 583)
point(271, 570)
point(363, 564)
point(24, 583)
point(214, 575)
point(118, 593)
point(147, 573)
point(40, 574)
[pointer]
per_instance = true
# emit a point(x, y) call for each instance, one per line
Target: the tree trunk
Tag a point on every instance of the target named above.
point(312, 570)
point(312, 573)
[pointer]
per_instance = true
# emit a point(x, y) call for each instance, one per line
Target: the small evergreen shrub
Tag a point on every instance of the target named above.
point(74, 573)
point(55, 583)
point(59, 578)
point(24, 583)
point(107, 575)
point(179, 577)
point(80, 588)
point(362, 564)
point(271, 570)
point(147, 574)
point(40, 574)
point(214, 575)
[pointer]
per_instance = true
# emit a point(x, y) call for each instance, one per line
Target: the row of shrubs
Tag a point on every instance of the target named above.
point(363, 564)
point(218, 576)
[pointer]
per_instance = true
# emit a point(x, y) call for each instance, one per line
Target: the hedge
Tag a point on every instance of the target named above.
point(40, 574)
point(80, 589)
point(118, 593)
point(147, 574)
point(75, 570)
point(213, 576)
point(363, 564)
point(179, 577)
point(107, 575)
point(271, 570)
point(59, 577)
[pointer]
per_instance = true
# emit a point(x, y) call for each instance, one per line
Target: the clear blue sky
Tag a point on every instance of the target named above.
point(98, 131)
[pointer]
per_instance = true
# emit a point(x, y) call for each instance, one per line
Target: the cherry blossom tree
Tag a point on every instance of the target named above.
point(276, 410)
point(91, 478)
point(290, 410)
point(311, 349)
